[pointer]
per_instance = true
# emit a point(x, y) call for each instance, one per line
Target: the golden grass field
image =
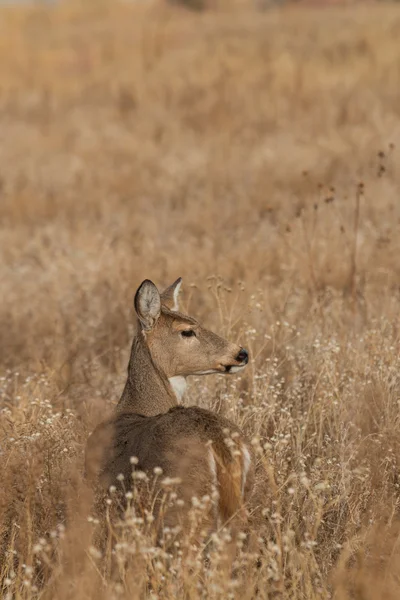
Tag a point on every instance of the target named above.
point(255, 154)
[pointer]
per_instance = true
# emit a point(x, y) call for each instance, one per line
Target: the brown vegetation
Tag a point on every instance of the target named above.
point(255, 155)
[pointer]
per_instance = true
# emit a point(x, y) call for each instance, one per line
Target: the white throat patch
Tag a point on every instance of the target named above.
point(178, 385)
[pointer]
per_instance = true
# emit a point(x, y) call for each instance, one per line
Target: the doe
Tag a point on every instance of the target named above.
point(206, 452)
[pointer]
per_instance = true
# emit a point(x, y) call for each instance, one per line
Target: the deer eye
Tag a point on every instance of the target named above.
point(188, 333)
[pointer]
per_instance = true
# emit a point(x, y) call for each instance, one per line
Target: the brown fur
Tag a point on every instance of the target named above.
point(230, 471)
point(178, 442)
point(150, 426)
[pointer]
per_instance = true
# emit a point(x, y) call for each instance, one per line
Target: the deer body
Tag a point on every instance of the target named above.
point(207, 452)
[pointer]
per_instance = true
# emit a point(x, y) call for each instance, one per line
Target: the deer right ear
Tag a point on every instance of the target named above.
point(169, 297)
point(148, 304)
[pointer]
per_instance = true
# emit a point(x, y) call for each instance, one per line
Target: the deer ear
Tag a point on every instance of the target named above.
point(148, 304)
point(169, 297)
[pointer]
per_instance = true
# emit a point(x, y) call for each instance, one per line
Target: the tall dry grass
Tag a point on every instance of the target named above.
point(256, 155)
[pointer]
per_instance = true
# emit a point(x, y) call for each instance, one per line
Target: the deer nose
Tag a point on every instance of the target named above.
point(243, 356)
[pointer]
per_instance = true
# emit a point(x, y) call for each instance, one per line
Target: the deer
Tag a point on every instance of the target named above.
point(205, 452)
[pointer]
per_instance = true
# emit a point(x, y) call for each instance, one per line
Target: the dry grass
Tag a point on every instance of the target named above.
point(227, 148)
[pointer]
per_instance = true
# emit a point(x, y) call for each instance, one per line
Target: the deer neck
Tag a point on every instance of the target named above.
point(148, 390)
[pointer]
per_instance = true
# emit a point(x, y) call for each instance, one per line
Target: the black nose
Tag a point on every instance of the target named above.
point(243, 356)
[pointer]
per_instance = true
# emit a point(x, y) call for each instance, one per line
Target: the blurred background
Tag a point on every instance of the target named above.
point(251, 147)
point(146, 139)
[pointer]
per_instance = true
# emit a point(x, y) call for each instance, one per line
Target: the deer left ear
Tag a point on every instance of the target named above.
point(169, 297)
point(147, 304)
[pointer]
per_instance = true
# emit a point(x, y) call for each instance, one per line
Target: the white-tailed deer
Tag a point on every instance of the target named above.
point(207, 452)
